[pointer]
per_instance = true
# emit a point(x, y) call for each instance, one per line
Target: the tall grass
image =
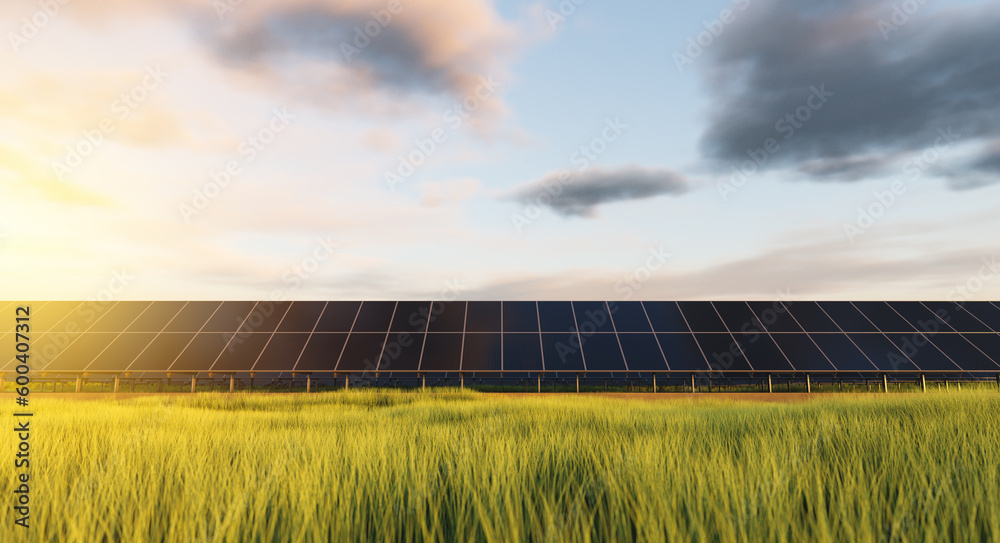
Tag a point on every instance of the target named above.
point(397, 466)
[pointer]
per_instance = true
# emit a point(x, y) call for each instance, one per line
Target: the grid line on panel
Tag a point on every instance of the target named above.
point(141, 313)
point(579, 338)
point(268, 342)
point(655, 337)
point(78, 336)
point(541, 344)
point(617, 339)
point(236, 333)
point(969, 313)
point(732, 337)
point(461, 351)
point(311, 333)
point(385, 342)
point(984, 323)
point(696, 342)
point(808, 335)
point(930, 341)
point(430, 312)
point(348, 339)
point(193, 336)
point(976, 347)
point(849, 338)
point(782, 351)
point(155, 337)
point(865, 315)
point(501, 339)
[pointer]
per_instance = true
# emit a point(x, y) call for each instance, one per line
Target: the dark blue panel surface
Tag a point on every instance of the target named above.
point(802, 352)
point(738, 317)
point(987, 343)
point(556, 316)
point(321, 352)
point(192, 317)
point(629, 317)
point(447, 317)
point(956, 317)
point(302, 317)
point(722, 352)
point(522, 352)
point(986, 312)
point(774, 316)
point(241, 353)
point(763, 354)
point(162, 352)
point(884, 317)
point(202, 352)
point(520, 317)
point(848, 317)
point(642, 353)
point(811, 316)
point(843, 354)
point(338, 317)
point(682, 352)
point(562, 352)
point(701, 317)
point(442, 352)
point(882, 352)
point(281, 352)
point(602, 353)
point(924, 354)
point(964, 352)
point(483, 317)
point(593, 317)
point(374, 317)
point(230, 317)
point(665, 317)
point(410, 317)
point(402, 352)
point(362, 351)
point(482, 352)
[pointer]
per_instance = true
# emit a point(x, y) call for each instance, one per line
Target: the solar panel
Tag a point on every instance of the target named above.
point(682, 352)
point(522, 352)
point(482, 352)
point(774, 316)
point(302, 317)
point(374, 317)
point(956, 317)
point(642, 352)
point(321, 352)
point(722, 352)
point(593, 317)
point(847, 317)
point(442, 352)
point(556, 316)
point(701, 317)
point(602, 353)
point(562, 352)
point(447, 317)
point(520, 317)
point(629, 317)
point(738, 317)
point(884, 317)
point(483, 317)
point(986, 312)
point(410, 317)
point(811, 317)
point(517, 338)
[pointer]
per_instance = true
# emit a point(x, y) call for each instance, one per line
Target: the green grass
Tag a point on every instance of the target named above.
point(444, 466)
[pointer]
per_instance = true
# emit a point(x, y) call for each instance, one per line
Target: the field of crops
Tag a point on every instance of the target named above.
point(449, 466)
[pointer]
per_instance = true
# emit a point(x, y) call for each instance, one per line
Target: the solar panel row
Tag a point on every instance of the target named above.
point(514, 336)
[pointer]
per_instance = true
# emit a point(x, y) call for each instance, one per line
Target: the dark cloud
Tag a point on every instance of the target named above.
point(579, 194)
point(834, 84)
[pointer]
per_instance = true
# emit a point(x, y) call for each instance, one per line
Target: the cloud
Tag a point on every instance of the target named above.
point(832, 89)
point(579, 195)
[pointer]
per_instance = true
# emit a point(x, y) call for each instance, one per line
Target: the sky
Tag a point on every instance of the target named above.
point(550, 150)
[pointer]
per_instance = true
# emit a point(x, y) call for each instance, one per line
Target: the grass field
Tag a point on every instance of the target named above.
point(445, 466)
